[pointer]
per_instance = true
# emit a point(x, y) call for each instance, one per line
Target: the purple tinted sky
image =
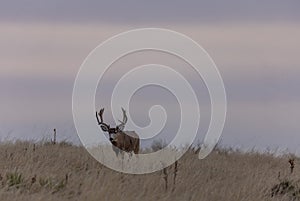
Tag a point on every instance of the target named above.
point(255, 44)
point(135, 11)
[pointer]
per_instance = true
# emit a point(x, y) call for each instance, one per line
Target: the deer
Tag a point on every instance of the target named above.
point(127, 141)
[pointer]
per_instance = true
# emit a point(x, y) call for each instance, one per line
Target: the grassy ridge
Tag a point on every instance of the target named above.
point(44, 171)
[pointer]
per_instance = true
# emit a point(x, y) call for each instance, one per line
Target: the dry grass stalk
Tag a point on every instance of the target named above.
point(165, 176)
point(175, 174)
point(66, 178)
point(54, 137)
point(292, 164)
point(33, 179)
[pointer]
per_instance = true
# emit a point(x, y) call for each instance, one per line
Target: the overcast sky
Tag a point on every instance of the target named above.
point(255, 45)
point(135, 11)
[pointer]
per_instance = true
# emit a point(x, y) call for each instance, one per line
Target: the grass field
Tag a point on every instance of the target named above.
point(43, 171)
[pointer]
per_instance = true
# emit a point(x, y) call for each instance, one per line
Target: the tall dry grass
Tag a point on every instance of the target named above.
point(45, 171)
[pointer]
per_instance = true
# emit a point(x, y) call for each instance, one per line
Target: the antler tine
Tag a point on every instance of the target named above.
point(124, 118)
point(101, 116)
point(97, 118)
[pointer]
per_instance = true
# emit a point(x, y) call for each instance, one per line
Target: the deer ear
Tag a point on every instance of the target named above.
point(105, 128)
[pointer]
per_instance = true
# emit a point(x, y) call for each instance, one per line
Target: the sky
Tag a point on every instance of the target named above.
point(254, 44)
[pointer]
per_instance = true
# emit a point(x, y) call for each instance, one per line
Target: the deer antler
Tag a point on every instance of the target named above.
point(101, 117)
point(122, 123)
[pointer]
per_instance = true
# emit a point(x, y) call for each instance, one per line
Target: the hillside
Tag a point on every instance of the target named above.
point(47, 172)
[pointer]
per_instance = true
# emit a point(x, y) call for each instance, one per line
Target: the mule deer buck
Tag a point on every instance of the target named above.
point(127, 141)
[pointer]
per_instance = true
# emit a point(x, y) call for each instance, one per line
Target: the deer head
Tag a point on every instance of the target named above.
point(106, 128)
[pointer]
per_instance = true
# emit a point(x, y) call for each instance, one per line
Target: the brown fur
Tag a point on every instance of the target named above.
point(127, 141)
